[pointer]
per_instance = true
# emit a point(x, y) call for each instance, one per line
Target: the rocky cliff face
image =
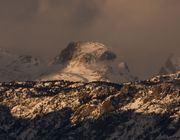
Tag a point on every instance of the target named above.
point(88, 61)
point(144, 110)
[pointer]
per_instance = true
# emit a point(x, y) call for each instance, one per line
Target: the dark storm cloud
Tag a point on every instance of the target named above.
point(144, 32)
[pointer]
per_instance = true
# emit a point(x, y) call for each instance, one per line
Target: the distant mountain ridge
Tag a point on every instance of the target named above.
point(18, 67)
point(172, 65)
point(79, 61)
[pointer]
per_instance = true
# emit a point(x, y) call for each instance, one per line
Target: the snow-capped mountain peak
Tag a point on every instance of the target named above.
point(88, 61)
point(87, 52)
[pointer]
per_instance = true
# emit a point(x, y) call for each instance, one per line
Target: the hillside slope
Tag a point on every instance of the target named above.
point(62, 110)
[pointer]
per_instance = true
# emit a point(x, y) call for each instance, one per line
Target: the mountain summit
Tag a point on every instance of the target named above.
point(88, 61)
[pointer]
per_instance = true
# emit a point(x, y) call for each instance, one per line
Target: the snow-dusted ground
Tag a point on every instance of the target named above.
point(64, 110)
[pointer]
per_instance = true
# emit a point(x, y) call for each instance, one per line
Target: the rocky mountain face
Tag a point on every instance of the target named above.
point(63, 110)
point(88, 61)
point(18, 67)
point(171, 65)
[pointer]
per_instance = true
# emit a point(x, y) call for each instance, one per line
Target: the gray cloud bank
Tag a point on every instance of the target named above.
point(143, 32)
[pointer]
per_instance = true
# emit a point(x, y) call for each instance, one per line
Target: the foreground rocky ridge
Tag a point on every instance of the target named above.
point(144, 110)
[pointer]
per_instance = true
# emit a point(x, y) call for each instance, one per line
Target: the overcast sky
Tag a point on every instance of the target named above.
point(143, 32)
